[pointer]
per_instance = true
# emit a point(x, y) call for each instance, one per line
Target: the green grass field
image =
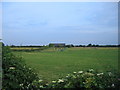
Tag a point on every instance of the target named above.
point(52, 63)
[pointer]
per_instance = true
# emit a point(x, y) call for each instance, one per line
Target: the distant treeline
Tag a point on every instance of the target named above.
point(93, 45)
point(71, 45)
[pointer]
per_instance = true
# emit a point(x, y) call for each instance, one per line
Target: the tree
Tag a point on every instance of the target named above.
point(89, 45)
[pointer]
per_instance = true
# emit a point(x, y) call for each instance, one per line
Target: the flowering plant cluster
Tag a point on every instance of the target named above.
point(83, 79)
point(87, 79)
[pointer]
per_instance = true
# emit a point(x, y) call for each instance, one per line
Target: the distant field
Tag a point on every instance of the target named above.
point(55, 63)
point(22, 48)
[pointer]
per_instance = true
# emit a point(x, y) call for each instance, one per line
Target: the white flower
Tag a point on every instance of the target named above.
point(41, 86)
point(109, 73)
point(67, 76)
point(100, 74)
point(11, 67)
point(28, 85)
point(21, 84)
point(47, 84)
point(40, 80)
point(91, 70)
point(29, 68)
point(53, 81)
point(60, 80)
point(74, 72)
point(113, 85)
point(80, 72)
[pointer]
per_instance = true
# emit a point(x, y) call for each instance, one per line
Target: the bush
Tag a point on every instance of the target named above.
point(83, 79)
point(90, 79)
point(16, 74)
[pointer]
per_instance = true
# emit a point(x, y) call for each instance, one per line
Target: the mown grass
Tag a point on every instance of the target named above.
point(53, 63)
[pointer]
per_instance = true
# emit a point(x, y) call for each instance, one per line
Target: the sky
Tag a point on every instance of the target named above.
point(41, 23)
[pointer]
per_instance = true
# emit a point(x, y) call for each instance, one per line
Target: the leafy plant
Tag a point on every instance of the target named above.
point(16, 74)
point(88, 79)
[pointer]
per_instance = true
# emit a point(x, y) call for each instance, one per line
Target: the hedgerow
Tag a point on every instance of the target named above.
point(16, 74)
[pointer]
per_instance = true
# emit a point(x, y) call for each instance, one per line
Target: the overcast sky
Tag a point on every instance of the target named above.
point(38, 23)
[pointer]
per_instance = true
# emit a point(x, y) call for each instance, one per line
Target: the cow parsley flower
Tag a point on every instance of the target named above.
point(11, 67)
point(53, 81)
point(109, 73)
point(74, 72)
point(29, 68)
point(60, 80)
point(91, 70)
point(21, 84)
point(80, 72)
point(40, 80)
point(41, 86)
point(99, 74)
point(113, 85)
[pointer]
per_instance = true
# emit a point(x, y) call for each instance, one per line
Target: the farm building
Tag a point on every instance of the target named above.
point(57, 45)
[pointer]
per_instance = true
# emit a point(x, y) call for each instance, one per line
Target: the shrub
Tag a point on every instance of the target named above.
point(88, 79)
point(16, 74)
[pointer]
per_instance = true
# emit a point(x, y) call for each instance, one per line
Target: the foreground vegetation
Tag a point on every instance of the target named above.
point(85, 79)
point(16, 74)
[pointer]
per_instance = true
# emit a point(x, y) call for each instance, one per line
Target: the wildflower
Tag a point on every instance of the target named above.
point(67, 76)
point(109, 73)
point(21, 84)
point(60, 80)
point(99, 74)
point(113, 85)
point(29, 68)
point(11, 67)
point(80, 72)
point(91, 70)
point(47, 84)
point(53, 81)
point(40, 80)
point(41, 86)
point(28, 85)
point(74, 72)
point(89, 74)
